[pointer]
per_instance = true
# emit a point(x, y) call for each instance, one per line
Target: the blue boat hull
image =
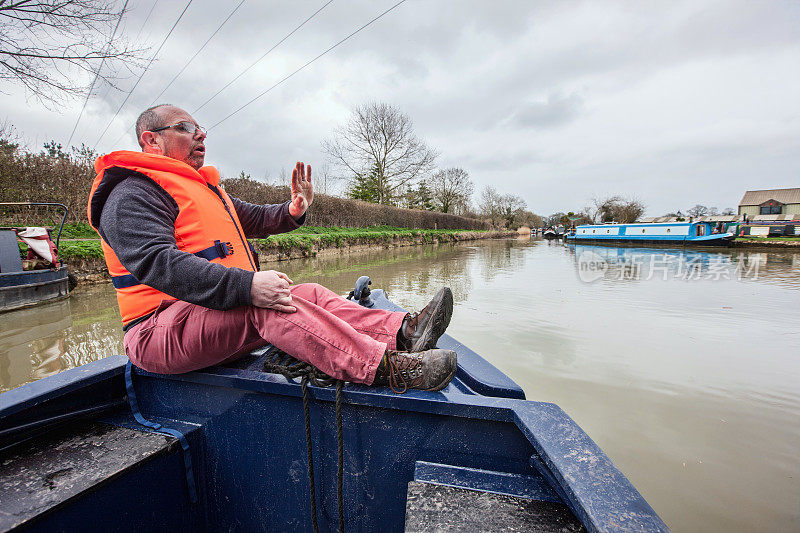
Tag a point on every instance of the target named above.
point(710, 240)
point(246, 435)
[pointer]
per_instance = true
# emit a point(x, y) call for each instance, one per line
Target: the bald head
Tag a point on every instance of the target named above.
point(151, 118)
point(163, 130)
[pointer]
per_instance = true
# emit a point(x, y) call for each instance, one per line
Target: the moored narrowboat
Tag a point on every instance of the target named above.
point(681, 233)
point(40, 278)
point(237, 448)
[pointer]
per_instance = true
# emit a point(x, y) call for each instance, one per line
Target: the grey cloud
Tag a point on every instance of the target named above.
point(554, 111)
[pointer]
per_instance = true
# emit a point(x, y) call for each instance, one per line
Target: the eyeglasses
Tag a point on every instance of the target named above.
point(188, 127)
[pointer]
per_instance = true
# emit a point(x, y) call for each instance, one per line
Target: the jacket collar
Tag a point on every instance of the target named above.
point(141, 161)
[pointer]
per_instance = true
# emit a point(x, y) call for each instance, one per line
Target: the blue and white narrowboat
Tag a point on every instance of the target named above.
point(682, 233)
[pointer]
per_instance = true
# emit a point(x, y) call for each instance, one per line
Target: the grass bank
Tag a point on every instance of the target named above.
point(80, 245)
point(767, 242)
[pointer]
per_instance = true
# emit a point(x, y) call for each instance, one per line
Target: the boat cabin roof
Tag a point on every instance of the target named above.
point(645, 224)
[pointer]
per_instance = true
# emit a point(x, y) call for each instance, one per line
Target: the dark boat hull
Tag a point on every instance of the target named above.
point(31, 287)
point(722, 241)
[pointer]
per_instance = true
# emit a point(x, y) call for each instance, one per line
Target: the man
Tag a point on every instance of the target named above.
point(187, 283)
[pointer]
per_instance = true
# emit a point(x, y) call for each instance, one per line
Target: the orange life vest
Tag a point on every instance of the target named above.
point(206, 226)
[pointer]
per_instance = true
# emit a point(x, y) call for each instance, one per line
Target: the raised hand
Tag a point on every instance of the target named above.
point(302, 190)
point(270, 289)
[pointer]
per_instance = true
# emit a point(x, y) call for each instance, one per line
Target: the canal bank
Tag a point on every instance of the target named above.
point(85, 257)
point(771, 243)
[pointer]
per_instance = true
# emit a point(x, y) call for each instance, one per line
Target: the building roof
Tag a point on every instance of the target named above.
point(784, 196)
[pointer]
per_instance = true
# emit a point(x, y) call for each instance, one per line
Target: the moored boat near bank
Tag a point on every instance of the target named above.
point(44, 278)
point(681, 233)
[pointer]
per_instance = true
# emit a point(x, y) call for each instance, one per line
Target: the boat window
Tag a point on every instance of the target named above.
point(701, 230)
point(668, 230)
point(642, 230)
point(593, 231)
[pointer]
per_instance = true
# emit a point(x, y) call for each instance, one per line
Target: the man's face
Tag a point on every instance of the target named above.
point(177, 143)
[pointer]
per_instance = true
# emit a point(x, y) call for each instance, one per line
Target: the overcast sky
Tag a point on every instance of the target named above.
point(674, 103)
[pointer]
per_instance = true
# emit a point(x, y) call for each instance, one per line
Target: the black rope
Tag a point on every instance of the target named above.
point(340, 443)
point(304, 385)
point(279, 362)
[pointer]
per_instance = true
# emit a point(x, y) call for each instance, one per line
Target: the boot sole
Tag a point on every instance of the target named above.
point(437, 325)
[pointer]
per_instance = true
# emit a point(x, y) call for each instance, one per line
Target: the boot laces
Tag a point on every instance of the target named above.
point(403, 368)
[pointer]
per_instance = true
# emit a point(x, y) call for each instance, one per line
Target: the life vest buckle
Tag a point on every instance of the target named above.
point(224, 249)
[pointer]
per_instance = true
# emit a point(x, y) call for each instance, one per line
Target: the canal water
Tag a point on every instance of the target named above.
point(684, 366)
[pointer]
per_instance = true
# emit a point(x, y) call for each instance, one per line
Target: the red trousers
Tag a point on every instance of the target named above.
point(338, 336)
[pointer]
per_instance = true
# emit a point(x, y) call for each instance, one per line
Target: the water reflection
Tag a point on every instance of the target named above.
point(31, 343)
point(611, 264)
point(44, 340)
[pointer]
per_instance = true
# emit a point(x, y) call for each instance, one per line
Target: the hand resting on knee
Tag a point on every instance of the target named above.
point(270, 289)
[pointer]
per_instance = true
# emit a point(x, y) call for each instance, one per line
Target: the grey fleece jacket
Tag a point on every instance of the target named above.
point(138, 222)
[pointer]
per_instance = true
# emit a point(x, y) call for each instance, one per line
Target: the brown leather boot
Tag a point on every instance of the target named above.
point(420, 331)
point(429, 370)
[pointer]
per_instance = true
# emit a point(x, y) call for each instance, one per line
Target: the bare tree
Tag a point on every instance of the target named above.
point(43, 42)
point(489, 204)
point(617, 209)
point(729, 211)
point(283, 179)
point(451, 189)
point(512, 207)
point(503, 209)
point(530, 219)
point(697, 211)
point(556, 219)
point(380, 139)
point(325, 182)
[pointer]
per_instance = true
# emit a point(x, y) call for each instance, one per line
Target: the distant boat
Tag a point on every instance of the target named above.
point(44, 279)
point(683, 233)
point(550, 234)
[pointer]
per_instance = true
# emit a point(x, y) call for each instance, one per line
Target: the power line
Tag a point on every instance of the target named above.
point(198, 52)
point(307, 64)
point(136, 39)
point(262, 57)
point(97, 74)
point(185, 65)
point(138, 33)
point(142, 75)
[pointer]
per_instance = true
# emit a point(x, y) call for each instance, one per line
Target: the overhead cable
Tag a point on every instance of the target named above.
point(185, 65)
point(308, 63)
point(262, 57)
point(197, 53)
point(142, 75)
point(146, 19)
point(97, 74)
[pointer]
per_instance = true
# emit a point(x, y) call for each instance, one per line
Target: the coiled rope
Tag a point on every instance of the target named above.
point(279, 362)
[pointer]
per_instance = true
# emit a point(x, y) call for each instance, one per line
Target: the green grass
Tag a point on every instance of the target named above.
point(304, 238)
point(72, 249)
point(77, 230)
point(768, 239)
